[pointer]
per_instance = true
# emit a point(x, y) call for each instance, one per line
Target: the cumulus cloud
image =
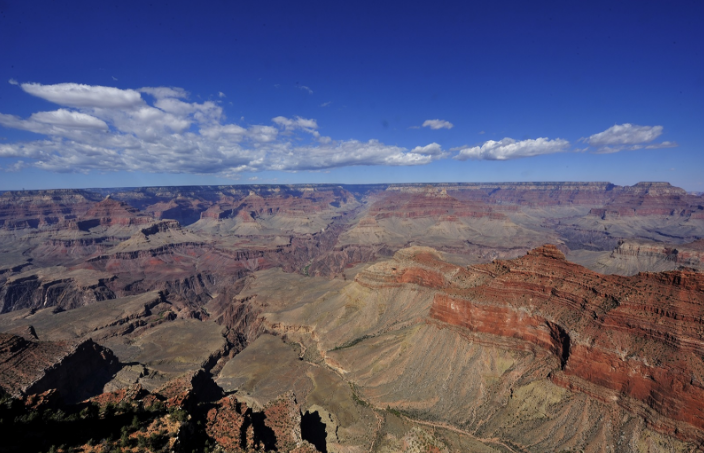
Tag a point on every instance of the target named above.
point(68, 119)
point(231, 131)
point(509, 148)
point(297, 123)
point(61, 122)
point(438, 124)
point(77, 95)
point(165, 92)
point(12, 82)
point(221, 94)
point(627, 136)
point(432, 149)
point(158, 129)
point(262, 134)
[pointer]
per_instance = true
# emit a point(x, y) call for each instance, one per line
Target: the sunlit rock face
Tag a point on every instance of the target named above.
point(636, 340)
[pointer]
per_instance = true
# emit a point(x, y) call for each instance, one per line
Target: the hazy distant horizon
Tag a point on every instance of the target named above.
point(323, 184)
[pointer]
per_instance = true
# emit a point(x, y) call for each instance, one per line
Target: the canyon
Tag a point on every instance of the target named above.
point(503, 317)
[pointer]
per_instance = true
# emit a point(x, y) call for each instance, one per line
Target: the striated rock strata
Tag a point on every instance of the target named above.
point(636, 340)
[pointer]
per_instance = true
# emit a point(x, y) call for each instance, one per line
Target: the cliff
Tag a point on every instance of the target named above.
point(635, 340)
point(76, 371)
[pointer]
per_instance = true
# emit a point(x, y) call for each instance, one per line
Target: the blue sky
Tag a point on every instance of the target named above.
point(101, 94)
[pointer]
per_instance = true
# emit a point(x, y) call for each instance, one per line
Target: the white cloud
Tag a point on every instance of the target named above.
point(221, 94)
point(61, 123)
point(627, 136)
point(157, 129)
point(662, 145)
point(232, 131)
point(325, 104)
point(438, 124)
point(432, 149)
point(17, 166)
point(305, 88)
point(298, 122)
point(263, 134)
point(165, 92)
point(303, 124)
point(509, 148)
point(77, 95)
point(12, 82)
point(202, 113)
point(343, 154)
point(69, 119)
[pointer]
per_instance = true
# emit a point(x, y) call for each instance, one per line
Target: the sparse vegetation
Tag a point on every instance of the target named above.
point(351, 343)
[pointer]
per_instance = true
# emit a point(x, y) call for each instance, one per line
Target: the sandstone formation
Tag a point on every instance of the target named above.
point(635, 340)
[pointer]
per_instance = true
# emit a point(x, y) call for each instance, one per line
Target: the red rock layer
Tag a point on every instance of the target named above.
point(432, 203)
point(287, 203)
point(642, 199)
point(71, 209)
point(112, 212)
point(651, 199)
point(636, 340)
point(536, 194)
point(34, 209)
point(232, 425)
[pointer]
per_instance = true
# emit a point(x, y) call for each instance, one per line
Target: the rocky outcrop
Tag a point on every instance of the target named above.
point(543, 194)
point(237, 428)
point(65, 209)
point(651, 199)
point(76, 371)
point(636, 338)
point(636, 341)
point(40, 208)
point(110, 212)
point(686, 255)
point(430, 202)
point(56, 287)
point(283, 201)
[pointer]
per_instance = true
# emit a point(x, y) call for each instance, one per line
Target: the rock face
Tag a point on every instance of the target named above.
point(54, 287)
point(75, 370)
point(686, 255)
point(237, 428)
point(71, 209)
point(636, 340)
point(431, 202)
point(34, 209)
point(651, 199)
